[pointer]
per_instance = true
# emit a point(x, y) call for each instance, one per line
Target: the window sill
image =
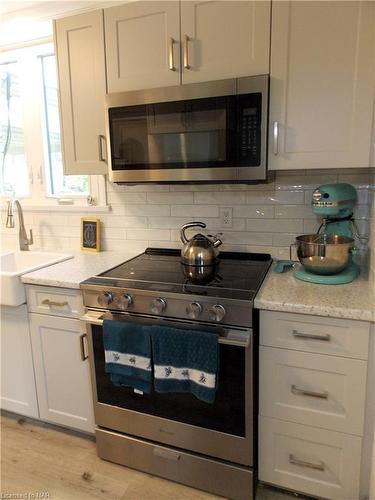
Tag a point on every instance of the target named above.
point(67, 208)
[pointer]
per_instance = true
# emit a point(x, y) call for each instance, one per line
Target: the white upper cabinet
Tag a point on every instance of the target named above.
point(142, 45)
point(224, 39)
point(322, 88)
point(81, 67)
point(157, 44)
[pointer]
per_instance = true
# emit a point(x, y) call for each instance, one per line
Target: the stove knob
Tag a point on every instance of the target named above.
point(123, 301)
point(158, 305)
point(217, 312)
point(193, 310)
point(105, 299)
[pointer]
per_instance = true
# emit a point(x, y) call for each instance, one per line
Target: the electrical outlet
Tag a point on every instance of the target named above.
point(226, 217)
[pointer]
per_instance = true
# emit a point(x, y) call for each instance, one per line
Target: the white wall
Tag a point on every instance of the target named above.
point(266, 217)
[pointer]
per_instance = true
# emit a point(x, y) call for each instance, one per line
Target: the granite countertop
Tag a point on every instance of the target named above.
point(279, 292)
point(283, 292)
point(70, 273)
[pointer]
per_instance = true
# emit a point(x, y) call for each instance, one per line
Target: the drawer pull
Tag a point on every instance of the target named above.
point(84, 356)
point(168, 454)
point(296, 461)
point(302, 392)
point(311, 336)
point(52, 303)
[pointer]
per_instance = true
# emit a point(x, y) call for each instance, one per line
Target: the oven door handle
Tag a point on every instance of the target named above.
point(239, 338)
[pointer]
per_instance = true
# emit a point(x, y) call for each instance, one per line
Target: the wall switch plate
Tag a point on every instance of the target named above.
point(226, 217)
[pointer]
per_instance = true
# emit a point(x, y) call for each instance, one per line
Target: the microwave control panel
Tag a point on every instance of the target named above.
point(250, 135)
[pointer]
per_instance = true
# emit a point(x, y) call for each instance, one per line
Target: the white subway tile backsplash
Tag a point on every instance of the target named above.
point(283, 239)
point(149, 234)
point(275, 198)
point(126, 198)
point(144, 210)
point(194, 211)
point(266, 217)
point(220, 198)
point(253, 212)
point(275, 225)
point(294, 212)
point(310, 181)
point(171, 198)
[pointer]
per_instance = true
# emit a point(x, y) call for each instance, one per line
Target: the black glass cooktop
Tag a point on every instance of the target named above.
point(237, 275)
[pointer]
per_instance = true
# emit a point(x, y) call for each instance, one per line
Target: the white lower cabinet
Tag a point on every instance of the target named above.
point(312, 382)
point(318, 462)
point(18, 392)
point(62, 371)
point(323, 391)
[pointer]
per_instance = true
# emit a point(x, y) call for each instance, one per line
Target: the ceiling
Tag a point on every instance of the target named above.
point(47, 9)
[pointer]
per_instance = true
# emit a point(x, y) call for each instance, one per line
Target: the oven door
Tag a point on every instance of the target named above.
point(223, 429)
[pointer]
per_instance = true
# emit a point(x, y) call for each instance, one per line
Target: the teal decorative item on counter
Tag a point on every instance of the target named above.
point(326, 257)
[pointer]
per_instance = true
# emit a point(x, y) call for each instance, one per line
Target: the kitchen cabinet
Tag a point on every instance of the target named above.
point(224, 39)
point(312, 403)
point(80, 53)
point(142, 45)
point(322, 84)
point(146, 48)
point(18, 392)
point(62, 371)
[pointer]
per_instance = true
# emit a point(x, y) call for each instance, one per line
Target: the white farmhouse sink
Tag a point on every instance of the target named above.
point(14, 264)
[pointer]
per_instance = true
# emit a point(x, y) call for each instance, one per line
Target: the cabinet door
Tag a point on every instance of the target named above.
point(321, 95)
point(142, 45)
point(225, 39)
point(81, 67)
point(61, 371)
point(18, 393)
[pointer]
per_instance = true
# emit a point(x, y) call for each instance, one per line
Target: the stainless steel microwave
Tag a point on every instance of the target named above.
point(202, 132)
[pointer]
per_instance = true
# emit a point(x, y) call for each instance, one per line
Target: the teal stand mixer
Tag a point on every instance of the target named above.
point(326, 257)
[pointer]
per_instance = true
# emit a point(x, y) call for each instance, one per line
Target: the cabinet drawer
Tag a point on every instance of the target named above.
point(312, 389)
point(339, 337)
point(313, 461)
point(55, 301)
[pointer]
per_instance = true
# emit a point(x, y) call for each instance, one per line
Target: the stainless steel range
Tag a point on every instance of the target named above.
point(175, 435)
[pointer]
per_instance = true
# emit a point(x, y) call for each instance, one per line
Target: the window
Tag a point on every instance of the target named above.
point(30, 145)
point(14, 176)
point(59, 184)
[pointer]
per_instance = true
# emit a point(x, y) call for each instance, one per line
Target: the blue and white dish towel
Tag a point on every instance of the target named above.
point(127, 349)
point(185, 361)
point(177, 360)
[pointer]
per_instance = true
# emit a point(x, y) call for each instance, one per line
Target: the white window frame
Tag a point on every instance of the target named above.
point(33, 119)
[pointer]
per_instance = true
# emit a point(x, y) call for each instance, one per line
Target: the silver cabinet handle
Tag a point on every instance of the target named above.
point(171, 65)
point(186, 52)
point(101, 138)
point(303, 392)
point(82, 337)
point(169, 455)
point(302, 463)
point(311, 336)
point(53, 303)
point(275, 138)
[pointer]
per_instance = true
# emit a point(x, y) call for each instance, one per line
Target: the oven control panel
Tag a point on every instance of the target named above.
point(197, 308)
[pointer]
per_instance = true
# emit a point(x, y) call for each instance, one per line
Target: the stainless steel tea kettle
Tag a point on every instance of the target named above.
point(200, 250)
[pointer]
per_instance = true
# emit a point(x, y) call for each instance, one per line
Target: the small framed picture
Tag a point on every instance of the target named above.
point(90, 235)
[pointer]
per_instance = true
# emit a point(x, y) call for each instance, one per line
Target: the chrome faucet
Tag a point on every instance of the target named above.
point(25, 242)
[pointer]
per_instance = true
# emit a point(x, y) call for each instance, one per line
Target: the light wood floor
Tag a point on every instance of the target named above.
point(39, 458)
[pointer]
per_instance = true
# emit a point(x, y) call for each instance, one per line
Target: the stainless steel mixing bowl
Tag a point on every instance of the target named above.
point(324, 254)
